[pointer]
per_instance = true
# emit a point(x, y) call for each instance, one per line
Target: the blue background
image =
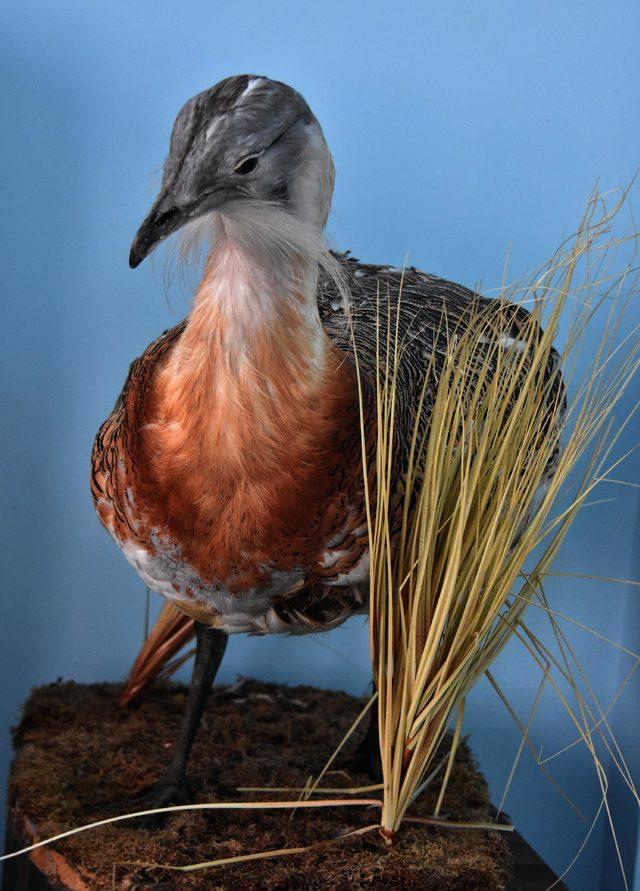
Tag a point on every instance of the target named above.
point(457, 129)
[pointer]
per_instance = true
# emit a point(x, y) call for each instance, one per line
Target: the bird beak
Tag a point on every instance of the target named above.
point(163, 219)
point(167, 215)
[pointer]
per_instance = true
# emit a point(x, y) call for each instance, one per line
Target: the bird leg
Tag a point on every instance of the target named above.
point(366, 758)
point(173, 787)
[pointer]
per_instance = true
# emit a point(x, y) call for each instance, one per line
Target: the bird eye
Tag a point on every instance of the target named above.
point(248, 165)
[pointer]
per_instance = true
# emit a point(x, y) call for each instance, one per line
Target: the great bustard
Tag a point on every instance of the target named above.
point(230, 469)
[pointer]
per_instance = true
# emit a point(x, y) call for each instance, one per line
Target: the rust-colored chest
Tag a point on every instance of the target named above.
point(250, 491)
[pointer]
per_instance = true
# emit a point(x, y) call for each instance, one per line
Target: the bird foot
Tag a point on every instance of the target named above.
point(168, 791)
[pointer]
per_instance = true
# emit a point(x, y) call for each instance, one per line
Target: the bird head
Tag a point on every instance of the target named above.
point(248, 138)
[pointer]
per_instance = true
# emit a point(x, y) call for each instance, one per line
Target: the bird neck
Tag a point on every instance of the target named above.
point(256, 305)
point(249, 376)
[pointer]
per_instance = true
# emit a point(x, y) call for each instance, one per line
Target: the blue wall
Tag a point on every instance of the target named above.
point(457, 129)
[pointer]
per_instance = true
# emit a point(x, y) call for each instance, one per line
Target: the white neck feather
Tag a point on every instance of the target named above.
point(259, 282)
point(254, 283)
point(263, 268)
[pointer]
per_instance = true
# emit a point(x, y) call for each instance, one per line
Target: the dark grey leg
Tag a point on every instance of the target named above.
point(366, 757)
point(172, 787)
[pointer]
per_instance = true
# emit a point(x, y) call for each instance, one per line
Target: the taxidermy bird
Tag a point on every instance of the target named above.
point(230, 472)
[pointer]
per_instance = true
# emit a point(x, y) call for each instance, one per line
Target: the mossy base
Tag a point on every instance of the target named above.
point(78, 752)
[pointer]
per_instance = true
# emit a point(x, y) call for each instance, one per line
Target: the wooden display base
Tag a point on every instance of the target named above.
point(78, 752)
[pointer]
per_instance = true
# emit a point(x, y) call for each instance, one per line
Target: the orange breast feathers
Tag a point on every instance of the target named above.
point(249, 447)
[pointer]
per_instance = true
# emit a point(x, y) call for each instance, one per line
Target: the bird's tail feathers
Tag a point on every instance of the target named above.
point(157, 657)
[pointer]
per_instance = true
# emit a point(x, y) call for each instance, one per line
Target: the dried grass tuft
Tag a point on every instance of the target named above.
point(449, 549)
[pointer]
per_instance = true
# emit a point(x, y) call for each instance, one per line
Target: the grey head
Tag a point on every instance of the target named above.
point(247, 138)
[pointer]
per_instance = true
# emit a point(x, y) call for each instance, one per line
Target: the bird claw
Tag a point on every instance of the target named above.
point(166, 792)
